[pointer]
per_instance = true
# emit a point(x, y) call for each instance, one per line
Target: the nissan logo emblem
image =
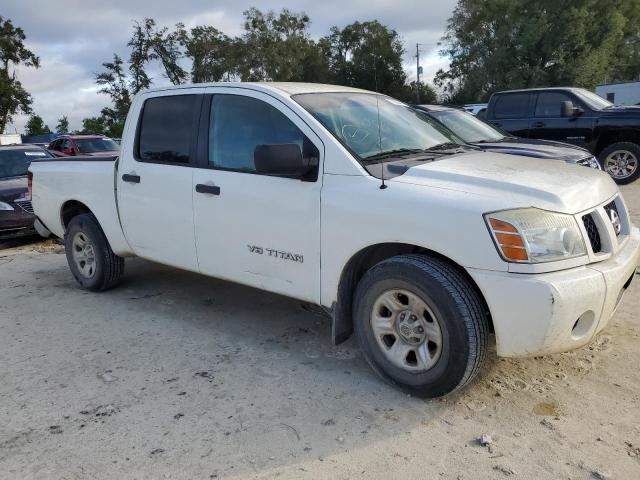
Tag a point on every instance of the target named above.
point(615, 221)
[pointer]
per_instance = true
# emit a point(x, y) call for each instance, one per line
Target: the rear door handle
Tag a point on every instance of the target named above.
point(539, 124)
point(131, 178)
point(210, 189)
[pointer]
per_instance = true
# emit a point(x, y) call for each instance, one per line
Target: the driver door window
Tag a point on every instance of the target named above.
point(239, 124)
point(549, 104)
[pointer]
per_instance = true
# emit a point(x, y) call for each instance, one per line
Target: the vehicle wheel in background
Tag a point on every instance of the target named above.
point(91, 260)
point(421, 324)
point(621, 161)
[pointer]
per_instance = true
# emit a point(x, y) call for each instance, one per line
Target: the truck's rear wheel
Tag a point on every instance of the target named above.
point(621, 161)
point(421, 324)
point(91, 260)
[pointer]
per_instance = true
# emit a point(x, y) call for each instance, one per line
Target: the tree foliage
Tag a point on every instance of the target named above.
point(13, 97)
point(63, 124)
point(114, 82)
point(273, 47)
point(93, 125)
point(507, 44)
point(366, 55)
point(35, 126)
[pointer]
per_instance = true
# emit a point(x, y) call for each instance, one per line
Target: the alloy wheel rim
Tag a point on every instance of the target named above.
point(407, 331)
point(621, 164)
point(83, 253)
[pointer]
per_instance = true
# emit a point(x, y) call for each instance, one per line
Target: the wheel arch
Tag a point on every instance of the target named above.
point(609, 136)
point(70, 209)
point(360, 263)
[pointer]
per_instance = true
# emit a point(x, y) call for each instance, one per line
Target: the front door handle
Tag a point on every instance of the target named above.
point(210, 189)
point(131, 178)
point(539, 124)
point(497, 124)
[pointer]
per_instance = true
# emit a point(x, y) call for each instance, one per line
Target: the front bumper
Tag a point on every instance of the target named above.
point(536, 314)
point(16, 223)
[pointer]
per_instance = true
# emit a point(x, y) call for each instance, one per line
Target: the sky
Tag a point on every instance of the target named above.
point(74, 37)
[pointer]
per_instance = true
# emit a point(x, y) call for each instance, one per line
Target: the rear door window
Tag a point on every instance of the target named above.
point(513, 105)
point(167, 129)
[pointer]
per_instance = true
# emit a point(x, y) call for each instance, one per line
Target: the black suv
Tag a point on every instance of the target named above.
point(577, 116)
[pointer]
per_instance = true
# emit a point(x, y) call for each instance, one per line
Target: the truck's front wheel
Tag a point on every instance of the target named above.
point(421, 324)
point(91, 260)
point(621, 161)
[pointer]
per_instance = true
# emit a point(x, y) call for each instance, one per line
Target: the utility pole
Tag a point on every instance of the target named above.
point(418, 73)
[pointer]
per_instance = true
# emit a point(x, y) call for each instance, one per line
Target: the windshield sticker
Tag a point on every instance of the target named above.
point(35, 154)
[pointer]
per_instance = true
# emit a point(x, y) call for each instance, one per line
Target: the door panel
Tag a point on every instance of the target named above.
point(251, 228)
point(155, 181)
point(548, 124)
point(511, 113)
point(157, 213)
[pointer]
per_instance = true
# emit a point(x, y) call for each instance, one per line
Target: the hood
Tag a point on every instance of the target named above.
point(13, 187)
point(516, 181)
point(622, 109)
point(530, 147)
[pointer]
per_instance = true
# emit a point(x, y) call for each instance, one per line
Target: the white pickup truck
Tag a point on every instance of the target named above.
point(358, 203)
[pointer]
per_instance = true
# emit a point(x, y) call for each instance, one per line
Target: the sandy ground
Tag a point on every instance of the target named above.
point(175, 375)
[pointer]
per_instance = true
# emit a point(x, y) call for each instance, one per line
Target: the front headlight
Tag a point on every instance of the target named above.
point(591, 162)
point(5, 206)
point(530, 235)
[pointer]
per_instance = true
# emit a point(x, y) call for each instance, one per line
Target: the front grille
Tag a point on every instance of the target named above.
point(25, 205)
point(592, 232)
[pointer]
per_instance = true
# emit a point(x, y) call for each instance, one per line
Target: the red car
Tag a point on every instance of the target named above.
point(83, 145)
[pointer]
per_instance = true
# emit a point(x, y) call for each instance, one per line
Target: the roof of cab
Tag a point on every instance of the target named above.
point(288, 88)
point(436, 108)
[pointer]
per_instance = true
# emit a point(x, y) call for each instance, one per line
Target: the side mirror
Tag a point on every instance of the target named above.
point(68, 151)
point(283, 159)
point(567, 109)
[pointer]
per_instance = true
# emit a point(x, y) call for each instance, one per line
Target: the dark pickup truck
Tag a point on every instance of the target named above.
point(577, 116)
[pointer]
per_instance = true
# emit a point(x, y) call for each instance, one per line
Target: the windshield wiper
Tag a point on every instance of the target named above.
point(445, 146)
point(399, 152)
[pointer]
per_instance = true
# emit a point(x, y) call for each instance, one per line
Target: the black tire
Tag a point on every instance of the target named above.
point(457, 307)
point(108, 267)
point(629, 147)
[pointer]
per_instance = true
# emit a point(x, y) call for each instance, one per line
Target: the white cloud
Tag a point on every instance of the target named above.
point(74, 37)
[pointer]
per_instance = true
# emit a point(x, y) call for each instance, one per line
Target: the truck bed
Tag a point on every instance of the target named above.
point(88, 181)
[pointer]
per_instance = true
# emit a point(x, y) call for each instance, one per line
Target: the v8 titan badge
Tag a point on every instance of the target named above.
point(272, 252)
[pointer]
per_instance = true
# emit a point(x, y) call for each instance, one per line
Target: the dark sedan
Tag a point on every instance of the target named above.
point(16, 212)
point(479, 133)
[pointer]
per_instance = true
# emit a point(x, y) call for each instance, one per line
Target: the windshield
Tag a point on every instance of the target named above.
point(371, 125)
point(467, 127)
point(92, 145)
point(593, 101)
point(15, 162)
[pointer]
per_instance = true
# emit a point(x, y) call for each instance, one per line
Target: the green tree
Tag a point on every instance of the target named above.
point(427, 93)
point(140, 44)
point(93, 125)
point(275, 47)
point(63, 124)
point(506, 44)
point(113, 82)
point(35, 126)
point(13, 97)
point(211, 52)
point(366, 55)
